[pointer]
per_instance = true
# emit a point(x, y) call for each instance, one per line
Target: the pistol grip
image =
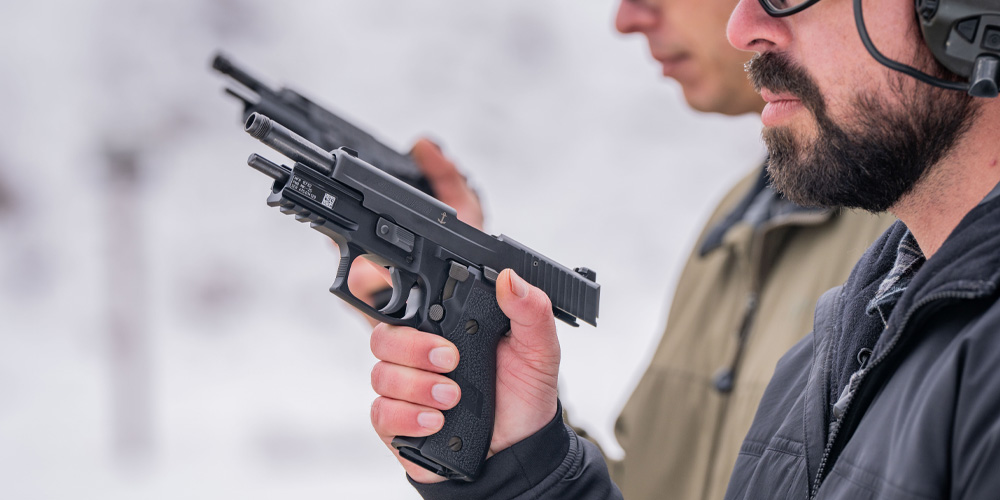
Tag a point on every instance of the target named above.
point(475, 324)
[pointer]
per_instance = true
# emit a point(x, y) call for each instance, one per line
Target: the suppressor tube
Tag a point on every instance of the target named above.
point(288, 143)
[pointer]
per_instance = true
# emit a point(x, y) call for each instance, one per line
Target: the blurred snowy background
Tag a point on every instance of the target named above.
point(165, 334)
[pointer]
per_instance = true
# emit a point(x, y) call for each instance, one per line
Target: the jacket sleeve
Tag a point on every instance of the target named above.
point(554, 463)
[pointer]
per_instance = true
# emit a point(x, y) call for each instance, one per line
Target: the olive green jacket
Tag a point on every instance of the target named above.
point(736, 309)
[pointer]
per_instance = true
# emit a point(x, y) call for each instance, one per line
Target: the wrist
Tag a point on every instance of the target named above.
point(526, 424)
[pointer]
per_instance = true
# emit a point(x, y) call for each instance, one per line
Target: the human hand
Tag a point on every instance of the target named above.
point(447, 182)
point(413, 389)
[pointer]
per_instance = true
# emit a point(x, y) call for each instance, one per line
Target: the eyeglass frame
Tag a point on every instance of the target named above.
point(776, 12)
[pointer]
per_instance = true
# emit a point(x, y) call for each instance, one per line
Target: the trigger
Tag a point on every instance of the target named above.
point(401, 285)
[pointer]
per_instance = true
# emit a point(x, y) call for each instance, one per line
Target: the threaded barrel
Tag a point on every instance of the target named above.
point(258, 126)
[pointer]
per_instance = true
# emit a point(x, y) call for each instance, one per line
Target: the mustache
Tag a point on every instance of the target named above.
point(776, 72)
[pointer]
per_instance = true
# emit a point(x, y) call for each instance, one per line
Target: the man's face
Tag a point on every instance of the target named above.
point(688, 38)
point(842, 130)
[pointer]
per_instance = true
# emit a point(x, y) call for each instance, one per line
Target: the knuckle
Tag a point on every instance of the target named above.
point(379, 339)
point(544, 302)
point(379, 378)
point(378, 410)
point(387, 415)
point(540, 305)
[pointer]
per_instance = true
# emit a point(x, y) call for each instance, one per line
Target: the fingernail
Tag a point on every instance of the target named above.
point(443, 357)
point(445, 394)
point(430, 420)
point(518, 285)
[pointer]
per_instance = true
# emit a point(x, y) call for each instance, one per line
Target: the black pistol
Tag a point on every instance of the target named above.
point(425, 247)
point(314, 122)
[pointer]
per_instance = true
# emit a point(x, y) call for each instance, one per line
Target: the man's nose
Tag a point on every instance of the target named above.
point(750, 28)
point(634, 17)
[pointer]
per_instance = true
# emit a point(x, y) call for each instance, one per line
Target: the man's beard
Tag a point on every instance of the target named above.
point(875, 162)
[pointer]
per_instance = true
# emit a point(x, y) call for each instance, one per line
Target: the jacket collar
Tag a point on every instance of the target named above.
point(797, 215)
point(967, 263)
point(967, 266)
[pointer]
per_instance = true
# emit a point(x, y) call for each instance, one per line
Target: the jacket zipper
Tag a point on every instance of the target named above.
point(725, 379)
point(831, 440)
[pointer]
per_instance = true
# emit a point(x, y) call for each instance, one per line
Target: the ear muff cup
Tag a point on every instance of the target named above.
point(959, 32)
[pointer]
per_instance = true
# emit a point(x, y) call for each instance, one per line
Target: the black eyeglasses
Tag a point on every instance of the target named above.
point(782, 8)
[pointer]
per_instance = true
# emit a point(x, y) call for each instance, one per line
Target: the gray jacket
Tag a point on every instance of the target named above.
point(922, 417)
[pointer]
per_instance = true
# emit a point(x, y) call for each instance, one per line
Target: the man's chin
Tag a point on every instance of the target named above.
point(792, 173)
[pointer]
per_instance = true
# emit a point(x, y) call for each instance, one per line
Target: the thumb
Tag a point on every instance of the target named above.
point(527, 362)
point(532, 323)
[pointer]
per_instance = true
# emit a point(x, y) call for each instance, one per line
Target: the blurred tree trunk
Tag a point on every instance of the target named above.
point(128, 338)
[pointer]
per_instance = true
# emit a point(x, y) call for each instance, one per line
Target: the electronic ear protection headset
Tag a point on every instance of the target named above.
point(963, 35)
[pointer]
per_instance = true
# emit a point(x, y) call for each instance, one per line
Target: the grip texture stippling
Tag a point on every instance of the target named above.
point(475, 324)
point(471, 421)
